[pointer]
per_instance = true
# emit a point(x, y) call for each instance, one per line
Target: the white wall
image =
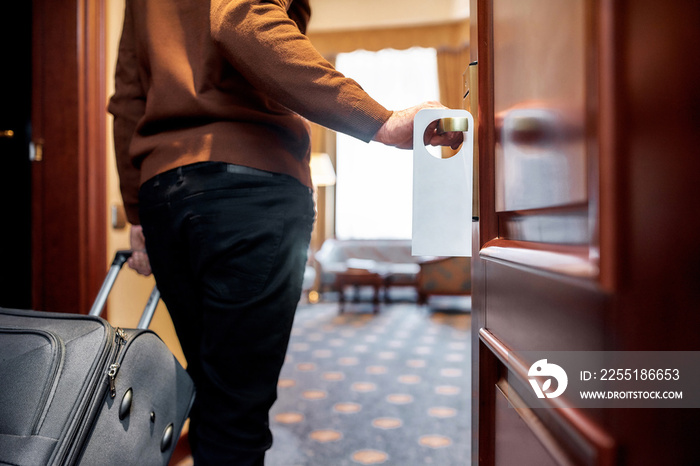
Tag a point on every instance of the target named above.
point(364, 14)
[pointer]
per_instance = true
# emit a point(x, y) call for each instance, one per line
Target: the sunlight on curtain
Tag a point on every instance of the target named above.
point(374, 182)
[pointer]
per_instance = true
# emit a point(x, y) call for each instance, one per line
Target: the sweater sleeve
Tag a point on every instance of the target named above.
point(300, 13)
point(127, 105)
point(263, 41)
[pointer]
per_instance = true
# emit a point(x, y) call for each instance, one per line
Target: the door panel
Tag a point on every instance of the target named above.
point(536, 274)
point(527, 434)
point(513, 428)
point(539, 103)
point(541, 311)
point(586, 238)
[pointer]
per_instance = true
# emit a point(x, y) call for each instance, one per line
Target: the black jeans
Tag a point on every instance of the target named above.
point(228, 246)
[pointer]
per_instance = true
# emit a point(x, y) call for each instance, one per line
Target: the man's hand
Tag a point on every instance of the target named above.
point(398, 130)
point(139, 258)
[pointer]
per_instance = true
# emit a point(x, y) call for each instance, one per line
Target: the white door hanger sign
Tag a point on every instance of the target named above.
point(442, 189)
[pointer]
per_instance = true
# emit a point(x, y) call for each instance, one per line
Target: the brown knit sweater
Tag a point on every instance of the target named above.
point(225, 80)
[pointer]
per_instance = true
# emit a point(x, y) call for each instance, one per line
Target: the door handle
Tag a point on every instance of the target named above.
point(449, 124)
point(8, 133)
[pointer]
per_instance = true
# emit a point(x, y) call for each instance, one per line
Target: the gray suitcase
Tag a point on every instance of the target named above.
point(75, 390)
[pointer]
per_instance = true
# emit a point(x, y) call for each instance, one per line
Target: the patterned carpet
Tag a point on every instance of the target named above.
point(358, 388)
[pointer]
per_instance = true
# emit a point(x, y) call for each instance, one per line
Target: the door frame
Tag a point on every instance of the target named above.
point(68, 176)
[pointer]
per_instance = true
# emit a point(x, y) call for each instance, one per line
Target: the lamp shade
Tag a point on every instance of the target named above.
point(322, 173)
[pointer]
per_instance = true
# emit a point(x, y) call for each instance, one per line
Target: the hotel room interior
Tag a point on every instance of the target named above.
point(584, 222)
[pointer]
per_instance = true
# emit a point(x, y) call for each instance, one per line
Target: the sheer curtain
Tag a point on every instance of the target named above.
point(374, 182)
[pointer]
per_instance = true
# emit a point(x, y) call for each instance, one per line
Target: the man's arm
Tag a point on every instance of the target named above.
point(264, 44)
point(398, 130)
point(267, 46)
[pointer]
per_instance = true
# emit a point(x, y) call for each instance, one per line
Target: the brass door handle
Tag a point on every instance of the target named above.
point(449, 124)
point(8, 133)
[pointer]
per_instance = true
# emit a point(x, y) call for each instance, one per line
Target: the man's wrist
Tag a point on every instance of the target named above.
point(382, 134)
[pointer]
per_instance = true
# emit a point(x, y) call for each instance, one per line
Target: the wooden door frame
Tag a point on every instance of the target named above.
point(68, 128)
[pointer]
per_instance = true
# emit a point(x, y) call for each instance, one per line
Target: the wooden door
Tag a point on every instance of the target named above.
point(586, 237)
point(68, 174)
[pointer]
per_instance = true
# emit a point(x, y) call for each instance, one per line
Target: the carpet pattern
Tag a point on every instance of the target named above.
point(359, 388)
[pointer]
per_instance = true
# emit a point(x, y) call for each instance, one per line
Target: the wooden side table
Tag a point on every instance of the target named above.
point(358, 277)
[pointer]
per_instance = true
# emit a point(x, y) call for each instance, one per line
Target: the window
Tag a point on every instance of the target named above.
point(374, 182)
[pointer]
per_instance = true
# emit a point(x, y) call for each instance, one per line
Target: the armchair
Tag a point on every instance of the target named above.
point(444, 276)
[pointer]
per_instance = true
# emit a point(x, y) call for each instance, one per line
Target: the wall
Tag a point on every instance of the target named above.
point(330, 15)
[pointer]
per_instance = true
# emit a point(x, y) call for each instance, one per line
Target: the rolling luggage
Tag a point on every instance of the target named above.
point(75, 390)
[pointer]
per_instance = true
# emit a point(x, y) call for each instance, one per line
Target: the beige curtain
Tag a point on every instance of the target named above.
point(331, 43)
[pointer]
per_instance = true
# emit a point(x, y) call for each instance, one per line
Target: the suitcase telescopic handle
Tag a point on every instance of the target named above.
point(150, 308)
point(120, 259)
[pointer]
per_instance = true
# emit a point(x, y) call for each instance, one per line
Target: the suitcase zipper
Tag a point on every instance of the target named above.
point(68, 453)
point(119, 340)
